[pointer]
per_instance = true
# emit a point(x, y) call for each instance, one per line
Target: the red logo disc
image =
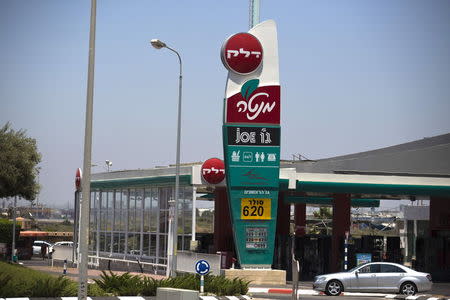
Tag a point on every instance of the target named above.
point(213, 170)
point(242, 53)
point(78, 179)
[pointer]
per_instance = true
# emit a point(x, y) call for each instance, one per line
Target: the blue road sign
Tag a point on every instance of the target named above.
point(202, 267)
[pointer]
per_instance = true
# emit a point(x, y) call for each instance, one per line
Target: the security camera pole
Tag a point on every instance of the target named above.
point(86, 183)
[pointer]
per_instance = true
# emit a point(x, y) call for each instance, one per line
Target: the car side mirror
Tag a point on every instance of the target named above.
point(356, 273)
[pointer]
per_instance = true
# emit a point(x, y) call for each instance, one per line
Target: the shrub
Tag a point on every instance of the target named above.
point(149, 286)
point(133, 285)
point(95, 291)
point(222, 286)
point(183, 281)
point(121, 285)
point(54, 287)
point(10, 288)
point(18, 281)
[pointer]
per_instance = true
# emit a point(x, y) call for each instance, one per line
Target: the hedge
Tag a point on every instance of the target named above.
point(19, 281)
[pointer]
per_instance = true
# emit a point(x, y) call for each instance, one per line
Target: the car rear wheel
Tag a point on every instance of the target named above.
point(334, 288)
point(408, 288)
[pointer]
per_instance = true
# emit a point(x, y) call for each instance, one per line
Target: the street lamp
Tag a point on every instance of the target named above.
point(108, 164)
point(173, 205)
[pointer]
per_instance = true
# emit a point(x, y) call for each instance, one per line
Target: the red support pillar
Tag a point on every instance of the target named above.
point(300, 219)
point(439, 214)
point(341, 224)
point(438, 250)
point(223, 231)
point(282, 249)
point(283, 216)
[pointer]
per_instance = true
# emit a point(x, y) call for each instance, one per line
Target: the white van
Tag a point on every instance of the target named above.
point(63, 243)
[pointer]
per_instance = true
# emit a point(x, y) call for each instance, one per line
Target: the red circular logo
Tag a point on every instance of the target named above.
point(78, 179)
point(213, 170)
point(242, 53)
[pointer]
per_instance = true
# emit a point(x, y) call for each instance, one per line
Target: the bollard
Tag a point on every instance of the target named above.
point(202, 284)
point(346, 251)
point(65, 267)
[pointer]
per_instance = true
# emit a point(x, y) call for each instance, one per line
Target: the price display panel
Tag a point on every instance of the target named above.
point(255, 208)
point(256, 237)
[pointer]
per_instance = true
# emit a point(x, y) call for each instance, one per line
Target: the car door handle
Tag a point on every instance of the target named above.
point(374, 275)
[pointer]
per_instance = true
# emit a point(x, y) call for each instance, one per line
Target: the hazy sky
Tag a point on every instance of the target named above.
point(355, 75)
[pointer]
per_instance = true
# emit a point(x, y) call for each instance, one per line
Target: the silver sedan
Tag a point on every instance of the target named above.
point(374, 277)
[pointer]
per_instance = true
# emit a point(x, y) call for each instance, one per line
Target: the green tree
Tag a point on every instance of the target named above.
point(323, 213)
point(19, 158)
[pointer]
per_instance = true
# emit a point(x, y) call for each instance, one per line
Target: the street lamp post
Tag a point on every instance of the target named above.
point(108, 164)
point(173, 205)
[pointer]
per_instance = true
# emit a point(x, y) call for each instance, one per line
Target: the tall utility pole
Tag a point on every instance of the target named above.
point(86, 182)
point(13, 249)
point(253, 13)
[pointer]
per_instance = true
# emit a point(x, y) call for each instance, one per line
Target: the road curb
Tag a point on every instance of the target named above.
point(282, 291)
point(242, 297)
point(253, 290)
point(418, 297)
point(305, 292)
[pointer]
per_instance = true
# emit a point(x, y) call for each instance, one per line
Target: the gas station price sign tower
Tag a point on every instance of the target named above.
point(251, 141)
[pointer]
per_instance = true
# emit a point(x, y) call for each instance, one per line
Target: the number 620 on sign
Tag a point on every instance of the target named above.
point(255, 208)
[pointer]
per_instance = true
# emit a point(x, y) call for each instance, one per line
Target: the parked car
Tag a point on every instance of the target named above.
point(374, 277)
point(37, 246)
point(63, 243)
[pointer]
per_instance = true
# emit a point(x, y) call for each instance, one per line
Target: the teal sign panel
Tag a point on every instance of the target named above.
point(253, 176)
point(254, 213)
point(252, 171)
point(254, 156)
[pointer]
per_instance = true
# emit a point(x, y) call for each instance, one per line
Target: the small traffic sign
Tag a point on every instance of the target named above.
point(202, 267)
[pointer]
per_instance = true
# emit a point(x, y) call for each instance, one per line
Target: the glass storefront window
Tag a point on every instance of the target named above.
point(132, 199)
point(162, 245)
point(133, 243)
point(121, 243)
point(107, 242)
point(110, 199)
point(152, 245)
point(153, 221)
point(187, 222)
point(117, 216)
point(103, 200)
point(118, 199)
point(145, 245)
point(163, 221)
point(165, 195)
point(116, 239)
point(139, 198)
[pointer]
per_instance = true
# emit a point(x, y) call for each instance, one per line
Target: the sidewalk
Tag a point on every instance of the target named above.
point(72, 273)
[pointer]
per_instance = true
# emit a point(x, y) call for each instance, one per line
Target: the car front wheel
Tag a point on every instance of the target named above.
point(334, 288)
point(408, 288)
